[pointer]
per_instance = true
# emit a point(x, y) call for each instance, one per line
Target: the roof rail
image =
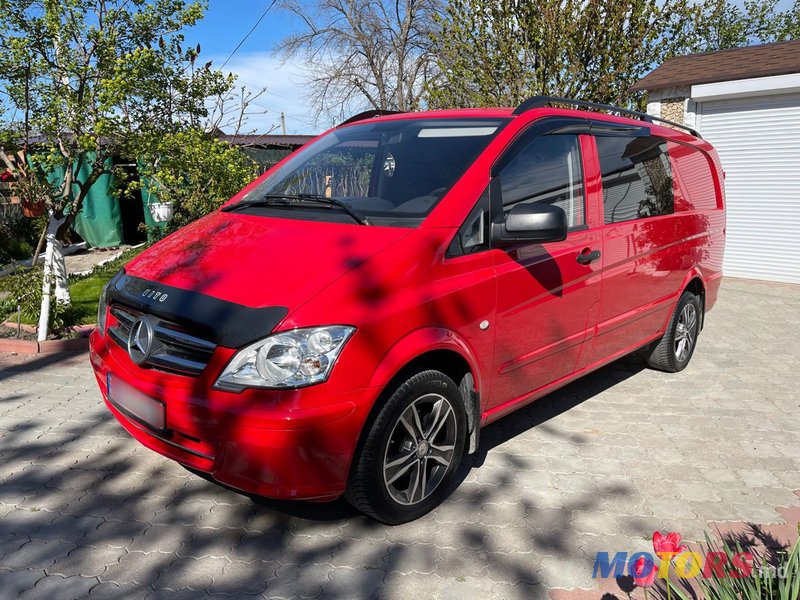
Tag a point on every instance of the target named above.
point(540, 101)
point(369, 114)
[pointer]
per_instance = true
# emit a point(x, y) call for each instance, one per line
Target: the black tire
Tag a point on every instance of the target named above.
point(665, 354)
point(388, 440)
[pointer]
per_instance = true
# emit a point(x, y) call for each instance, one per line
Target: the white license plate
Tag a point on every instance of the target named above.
point(136, 405)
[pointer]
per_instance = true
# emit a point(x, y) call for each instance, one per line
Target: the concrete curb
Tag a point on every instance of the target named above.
point(32, 347)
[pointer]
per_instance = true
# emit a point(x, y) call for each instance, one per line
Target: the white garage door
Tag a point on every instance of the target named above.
point(758, 140)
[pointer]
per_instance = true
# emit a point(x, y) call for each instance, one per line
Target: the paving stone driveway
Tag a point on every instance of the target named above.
point(84, 510)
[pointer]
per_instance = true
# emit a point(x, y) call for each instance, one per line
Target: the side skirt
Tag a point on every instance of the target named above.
point(495, 413)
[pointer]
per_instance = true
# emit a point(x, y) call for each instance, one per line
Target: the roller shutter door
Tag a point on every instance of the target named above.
point(758, 141)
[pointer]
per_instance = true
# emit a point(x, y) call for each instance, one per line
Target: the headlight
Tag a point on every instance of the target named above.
point(102, 309)
point(287, 359)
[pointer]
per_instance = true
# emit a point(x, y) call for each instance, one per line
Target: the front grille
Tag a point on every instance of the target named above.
point(175, 350)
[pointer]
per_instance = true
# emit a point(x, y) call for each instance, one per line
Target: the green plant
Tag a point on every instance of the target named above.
point(772, 577)
point(85, 289)
point(18, 235)
point(24, 289)
point(499, 52)
point(89, 77)
point(193, 171)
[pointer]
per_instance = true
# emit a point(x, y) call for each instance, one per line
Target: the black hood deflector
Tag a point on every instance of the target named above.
point(225, 323)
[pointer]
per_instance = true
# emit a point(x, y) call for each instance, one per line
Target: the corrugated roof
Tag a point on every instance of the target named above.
point(765, 60)
point(256, 139)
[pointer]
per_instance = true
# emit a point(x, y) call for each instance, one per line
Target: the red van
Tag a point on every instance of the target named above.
point(349, 321)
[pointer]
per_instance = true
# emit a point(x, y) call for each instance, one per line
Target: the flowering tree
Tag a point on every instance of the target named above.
point(89, 79)
point(195, 180)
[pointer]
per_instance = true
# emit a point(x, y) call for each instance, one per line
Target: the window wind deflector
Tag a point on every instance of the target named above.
point(612, 129)
point(297, 200)
point(576, 128)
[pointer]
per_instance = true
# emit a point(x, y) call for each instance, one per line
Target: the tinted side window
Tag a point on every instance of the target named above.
point(694, 172)
point(547, 170)
point(637, 178)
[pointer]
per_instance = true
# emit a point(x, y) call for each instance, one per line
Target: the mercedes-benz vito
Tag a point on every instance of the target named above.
point(348, 323)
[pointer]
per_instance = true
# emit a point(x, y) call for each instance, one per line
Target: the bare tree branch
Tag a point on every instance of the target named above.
point(364, 53)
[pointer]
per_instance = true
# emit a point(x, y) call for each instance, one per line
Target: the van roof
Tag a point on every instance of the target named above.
point(537, 108)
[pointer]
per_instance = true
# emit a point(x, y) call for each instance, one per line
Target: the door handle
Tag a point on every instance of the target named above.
point(587, 256)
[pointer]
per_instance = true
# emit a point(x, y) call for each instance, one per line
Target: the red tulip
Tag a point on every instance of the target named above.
point(639, 577)
point(671, 544)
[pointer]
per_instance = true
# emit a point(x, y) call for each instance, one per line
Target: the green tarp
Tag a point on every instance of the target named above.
point(99, 221)
point(148, 197)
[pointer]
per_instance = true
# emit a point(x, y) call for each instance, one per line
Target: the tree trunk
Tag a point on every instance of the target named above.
point(39, 245)
point(54, 271)
point(60, 273)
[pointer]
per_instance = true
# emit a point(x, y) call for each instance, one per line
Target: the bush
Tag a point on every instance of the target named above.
point(18, 234)
point(24, 289)
point(193, 171)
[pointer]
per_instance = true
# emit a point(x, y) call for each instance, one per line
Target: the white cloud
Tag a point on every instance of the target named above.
point(284, 92)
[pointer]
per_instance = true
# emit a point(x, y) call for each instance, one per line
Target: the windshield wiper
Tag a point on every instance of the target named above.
point(297, 200)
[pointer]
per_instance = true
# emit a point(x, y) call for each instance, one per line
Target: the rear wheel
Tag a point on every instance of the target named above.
point(675, 349)
point(411, 450)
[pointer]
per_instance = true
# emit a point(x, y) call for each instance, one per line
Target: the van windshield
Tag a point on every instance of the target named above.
point(392, 172)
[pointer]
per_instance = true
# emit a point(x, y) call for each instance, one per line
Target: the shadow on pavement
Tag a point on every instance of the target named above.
point(81, 500)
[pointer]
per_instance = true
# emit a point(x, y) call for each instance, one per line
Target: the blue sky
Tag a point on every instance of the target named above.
point(225, 24)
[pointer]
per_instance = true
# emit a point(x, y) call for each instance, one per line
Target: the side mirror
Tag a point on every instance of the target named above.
point(532, 222)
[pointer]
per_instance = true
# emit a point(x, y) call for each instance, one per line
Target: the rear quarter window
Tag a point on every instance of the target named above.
point(694, 183)
point(637, 177)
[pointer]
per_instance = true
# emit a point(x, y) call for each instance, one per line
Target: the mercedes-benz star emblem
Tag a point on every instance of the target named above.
point(140, 341)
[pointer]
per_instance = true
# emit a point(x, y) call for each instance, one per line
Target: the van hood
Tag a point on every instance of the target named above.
point(258, 261)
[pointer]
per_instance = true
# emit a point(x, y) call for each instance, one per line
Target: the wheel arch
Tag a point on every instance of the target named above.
point(438, 349)
point(694, 282)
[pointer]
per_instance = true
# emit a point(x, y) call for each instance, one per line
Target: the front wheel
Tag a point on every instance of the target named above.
point(411, 451)
point(675, 349)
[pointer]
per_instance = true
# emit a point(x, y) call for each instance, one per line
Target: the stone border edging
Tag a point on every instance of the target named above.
point(32, 347)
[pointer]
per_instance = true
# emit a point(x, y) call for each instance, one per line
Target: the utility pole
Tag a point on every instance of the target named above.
point(283, 124)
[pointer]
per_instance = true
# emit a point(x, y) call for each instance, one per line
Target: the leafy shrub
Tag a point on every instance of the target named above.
point(24, 288)
point(18, 235)
point(194, 171)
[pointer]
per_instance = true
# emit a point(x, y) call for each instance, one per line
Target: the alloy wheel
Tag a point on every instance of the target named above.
point(420, 449)
point(685, 332)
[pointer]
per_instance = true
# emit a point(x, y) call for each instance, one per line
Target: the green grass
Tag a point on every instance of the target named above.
point(85, 296)
point(84, 291)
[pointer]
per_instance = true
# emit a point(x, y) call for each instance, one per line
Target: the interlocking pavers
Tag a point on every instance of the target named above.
point(348, 582)
point(299, 581)
point(86, 561)
point(166, 539)
point(138, 567)
point(191, 573)
point(36, 554)
point(16, 582)
point(597, 466)
point(68, 529)
point(10, 543)
point(242, 579)
point(114, 591)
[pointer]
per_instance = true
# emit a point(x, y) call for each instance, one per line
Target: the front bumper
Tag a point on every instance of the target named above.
point(273, 443)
